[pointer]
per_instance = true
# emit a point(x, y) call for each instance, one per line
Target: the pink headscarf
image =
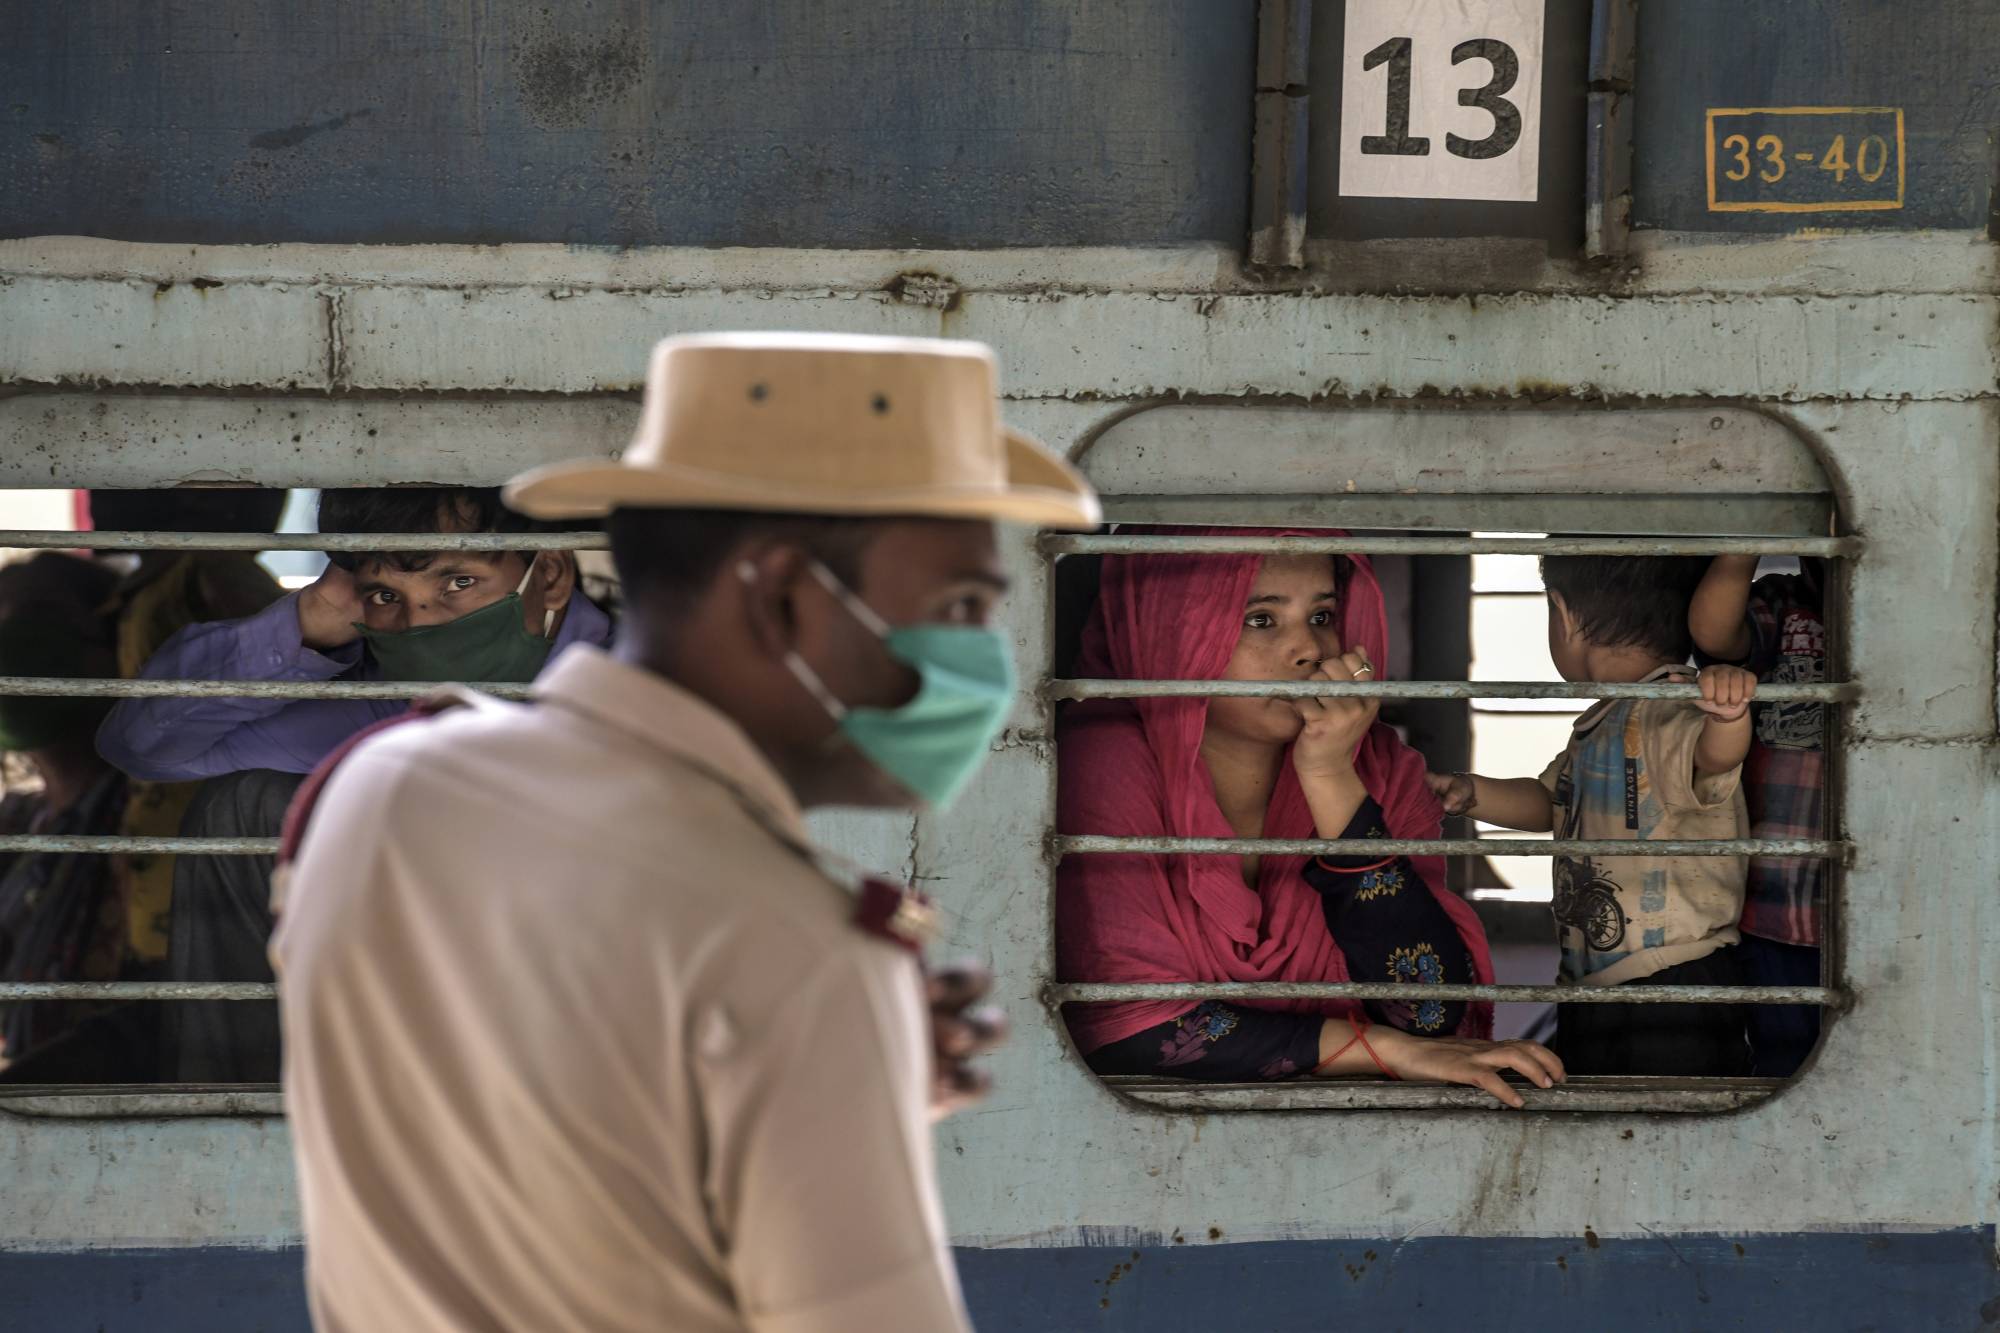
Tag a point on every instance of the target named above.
point(1134, 769)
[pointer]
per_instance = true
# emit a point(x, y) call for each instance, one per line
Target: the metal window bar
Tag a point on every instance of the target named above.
point(1837, 692)
point(1834, 692)
point(138, 990)
point(1364, 544)
point(1106, 992)
point(65, 687)
point(48, 539)
point(1105, 845)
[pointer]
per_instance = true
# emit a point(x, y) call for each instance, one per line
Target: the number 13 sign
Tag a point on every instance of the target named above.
point(1441, 99)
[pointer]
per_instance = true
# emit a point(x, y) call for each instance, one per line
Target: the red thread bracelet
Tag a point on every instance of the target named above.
point(1387, 1072)
point(1336, 1055)
point(1360, 1026)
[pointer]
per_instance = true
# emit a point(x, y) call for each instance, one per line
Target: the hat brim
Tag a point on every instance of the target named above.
point(1042, 490)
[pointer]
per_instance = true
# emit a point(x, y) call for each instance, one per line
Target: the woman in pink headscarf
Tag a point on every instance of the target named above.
point(1259, 768)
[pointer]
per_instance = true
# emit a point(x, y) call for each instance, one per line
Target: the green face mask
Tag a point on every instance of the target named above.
point(484, 645)
point(933, 744)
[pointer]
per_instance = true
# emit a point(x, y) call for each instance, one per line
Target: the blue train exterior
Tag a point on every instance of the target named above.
point(378, 242)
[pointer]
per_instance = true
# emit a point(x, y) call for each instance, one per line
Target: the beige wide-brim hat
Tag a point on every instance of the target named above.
point(820, 424)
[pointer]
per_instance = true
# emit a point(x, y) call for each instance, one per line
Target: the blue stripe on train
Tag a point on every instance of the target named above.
point(1817, 1280)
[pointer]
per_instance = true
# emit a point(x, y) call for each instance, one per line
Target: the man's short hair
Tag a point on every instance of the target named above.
point(1622, 601)
point(668, 556)
point(418, 509)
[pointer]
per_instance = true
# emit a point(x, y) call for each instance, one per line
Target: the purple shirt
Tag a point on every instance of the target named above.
point(180, 740)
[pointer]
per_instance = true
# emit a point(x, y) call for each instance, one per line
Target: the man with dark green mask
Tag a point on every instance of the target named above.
point(427, 616)
point(477, 617)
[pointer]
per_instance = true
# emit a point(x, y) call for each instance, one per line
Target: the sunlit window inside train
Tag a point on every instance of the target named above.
point(1111, 909)
point(1480, 617)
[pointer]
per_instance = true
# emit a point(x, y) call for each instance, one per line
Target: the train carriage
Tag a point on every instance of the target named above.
point(1730, 285)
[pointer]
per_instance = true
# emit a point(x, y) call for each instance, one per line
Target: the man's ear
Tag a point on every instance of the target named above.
point(556, 575)
point(768, 579)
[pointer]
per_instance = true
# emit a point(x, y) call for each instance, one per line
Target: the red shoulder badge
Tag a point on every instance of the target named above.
point(895, 913)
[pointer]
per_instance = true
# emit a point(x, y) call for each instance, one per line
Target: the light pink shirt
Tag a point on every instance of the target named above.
point(572, 1041)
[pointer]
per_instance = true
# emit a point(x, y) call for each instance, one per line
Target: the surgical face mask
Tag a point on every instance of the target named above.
point(484, 645)
point(933, 744)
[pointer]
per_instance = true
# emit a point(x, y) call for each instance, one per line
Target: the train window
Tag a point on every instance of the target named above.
point(1452, 505)
point(149, 994)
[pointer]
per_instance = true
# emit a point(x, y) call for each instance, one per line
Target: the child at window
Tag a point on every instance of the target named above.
point(1775, 627)
point(1640, 770)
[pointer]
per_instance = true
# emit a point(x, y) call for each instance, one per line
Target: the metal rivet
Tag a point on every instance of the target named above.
point(880, 404)
point(759, 392)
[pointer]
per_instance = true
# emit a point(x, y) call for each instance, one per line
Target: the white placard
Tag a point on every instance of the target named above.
point(1441, 99)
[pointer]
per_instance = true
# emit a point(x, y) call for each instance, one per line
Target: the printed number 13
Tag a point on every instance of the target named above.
point(1773, 149)
point(1396, 139)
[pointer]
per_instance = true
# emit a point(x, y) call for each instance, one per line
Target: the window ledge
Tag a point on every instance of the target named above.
point(141, 1101)
point(1599, 1094)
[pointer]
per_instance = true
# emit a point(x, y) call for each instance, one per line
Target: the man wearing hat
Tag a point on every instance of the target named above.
point(581, 1031)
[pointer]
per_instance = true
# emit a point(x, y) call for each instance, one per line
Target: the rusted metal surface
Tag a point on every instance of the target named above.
point(50, 439)
point(1602, 1095)
point(1457, 450)
point(32, 539)
point(1279, 164)
point(416, 339)
point(1837, 692)
point(1373, 544)
point(1081, 844)
point(137, 990)
point(1608, 115)
point(97, 1101)
point(1108, 992)
point(68, 687)
point(111, 844)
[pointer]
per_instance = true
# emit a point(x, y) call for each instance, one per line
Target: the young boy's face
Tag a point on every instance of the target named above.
point(1566, 647)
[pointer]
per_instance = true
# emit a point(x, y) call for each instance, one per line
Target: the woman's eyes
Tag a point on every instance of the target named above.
point(1265, 620)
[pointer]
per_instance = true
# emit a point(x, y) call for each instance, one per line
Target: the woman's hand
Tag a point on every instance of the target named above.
point(1466, 1060)
point(1334, 728)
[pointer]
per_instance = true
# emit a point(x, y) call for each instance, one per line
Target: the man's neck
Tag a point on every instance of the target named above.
point(799, 773)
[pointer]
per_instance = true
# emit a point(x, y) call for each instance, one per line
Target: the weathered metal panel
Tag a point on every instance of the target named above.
point(1177, 450)
point(1934, 60)
point(1790, 349)
point(141, 440)
point(631, 122)
point(56, 331)
point(1892, 1128)
point(582, 342)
